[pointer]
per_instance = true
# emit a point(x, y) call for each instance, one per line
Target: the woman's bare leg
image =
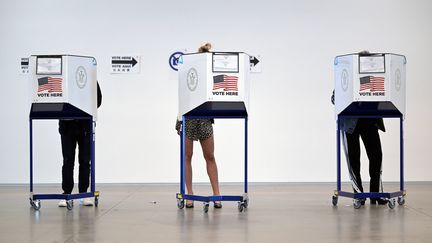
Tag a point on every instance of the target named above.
point(212, 171)
point(188, 164)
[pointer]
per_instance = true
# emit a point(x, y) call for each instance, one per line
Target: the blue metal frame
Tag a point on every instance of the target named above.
point(93, 192)
point(364, 195)
point(182, 195)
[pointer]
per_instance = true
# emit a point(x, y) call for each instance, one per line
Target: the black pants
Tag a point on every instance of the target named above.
point(75, 132)
point(368, 131)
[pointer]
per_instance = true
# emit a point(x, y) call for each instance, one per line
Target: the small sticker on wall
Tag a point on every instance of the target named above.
point(175, 59)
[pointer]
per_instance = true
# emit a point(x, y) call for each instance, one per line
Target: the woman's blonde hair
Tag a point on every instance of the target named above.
point(205, 48)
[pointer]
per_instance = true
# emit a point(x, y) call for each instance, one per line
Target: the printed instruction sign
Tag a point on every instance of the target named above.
point(24, 65)
point(225, 62)
point(125, 64)
point(255, 64)
point(372, 64)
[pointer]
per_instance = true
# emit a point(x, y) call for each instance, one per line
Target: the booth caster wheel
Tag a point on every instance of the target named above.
point(391, 203)
point(206, 207)
point(180, 203)
point(334, 200)
point(96, 201)
point(241, 206)
point(246, 203)
point(401, 200)
point(69, 204)
point(36, 204)
point(245, 200)
point(357, 203)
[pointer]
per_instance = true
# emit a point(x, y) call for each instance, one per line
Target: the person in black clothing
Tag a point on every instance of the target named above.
point(72, 132)
point(367, 129)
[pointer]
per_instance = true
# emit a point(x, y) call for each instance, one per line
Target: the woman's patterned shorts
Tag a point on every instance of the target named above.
point(197, 129)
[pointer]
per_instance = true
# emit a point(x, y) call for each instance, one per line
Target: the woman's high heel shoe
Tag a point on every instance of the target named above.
point(217, 204)
point(189, 204)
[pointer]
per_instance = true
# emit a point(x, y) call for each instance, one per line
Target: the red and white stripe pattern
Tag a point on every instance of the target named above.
point(50, 84)
point(377, 84)
point(228, 83)
point(365, 86)
point(374, 84)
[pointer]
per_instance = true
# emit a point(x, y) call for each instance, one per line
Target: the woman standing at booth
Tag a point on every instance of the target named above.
point(200, 130)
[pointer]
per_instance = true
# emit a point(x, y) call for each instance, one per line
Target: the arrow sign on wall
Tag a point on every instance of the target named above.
point(253, 61)
point(125, 64)
point(133, 62)
point(255, 64)
point(24, 61)
point(24, 65)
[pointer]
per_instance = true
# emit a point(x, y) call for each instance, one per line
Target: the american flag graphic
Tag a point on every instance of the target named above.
point(374, 84)
point(225, 82)
point(50, 84)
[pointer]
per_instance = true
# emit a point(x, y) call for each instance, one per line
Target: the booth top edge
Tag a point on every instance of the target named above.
point(61, 55)
point(217, 52)
point(371, 54)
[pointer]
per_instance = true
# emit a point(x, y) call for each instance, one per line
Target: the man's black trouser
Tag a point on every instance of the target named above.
point(368, 131)
point(75, 132)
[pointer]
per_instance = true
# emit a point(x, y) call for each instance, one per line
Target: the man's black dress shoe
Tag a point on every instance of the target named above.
point(379, 201)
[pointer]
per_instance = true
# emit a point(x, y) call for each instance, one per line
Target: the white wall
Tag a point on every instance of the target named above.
point(292, 127)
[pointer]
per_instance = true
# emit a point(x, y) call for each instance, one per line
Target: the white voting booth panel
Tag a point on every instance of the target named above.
point(370, 78)
point(213, 77)
point(64, 79)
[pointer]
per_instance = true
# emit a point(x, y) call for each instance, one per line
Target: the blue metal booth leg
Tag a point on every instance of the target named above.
point(338, 133)
point(182, 155)
point(402, 182)
point(243, 200)
point(92, 154)
point(246, 157)
point(31, 155)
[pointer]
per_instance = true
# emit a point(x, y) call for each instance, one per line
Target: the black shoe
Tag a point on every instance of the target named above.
point(379, 201)
point(217, 204)
point(189, 204)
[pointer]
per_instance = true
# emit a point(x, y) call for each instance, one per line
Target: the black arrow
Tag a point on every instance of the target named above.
point(133, 62)
point(254, 61)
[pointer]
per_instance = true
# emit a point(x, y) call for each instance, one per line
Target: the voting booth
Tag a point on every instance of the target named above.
point(63, 87)
point(370, 85)
point(213, 85)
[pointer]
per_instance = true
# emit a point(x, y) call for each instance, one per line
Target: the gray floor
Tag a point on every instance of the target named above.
point(290, 212)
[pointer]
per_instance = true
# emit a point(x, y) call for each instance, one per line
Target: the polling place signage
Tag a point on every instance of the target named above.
point(125, 64)
point(175, 59)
